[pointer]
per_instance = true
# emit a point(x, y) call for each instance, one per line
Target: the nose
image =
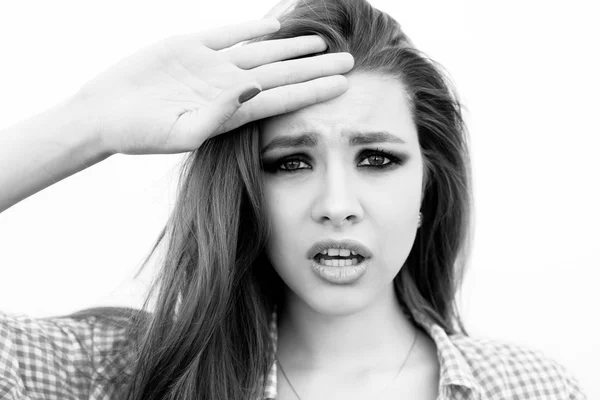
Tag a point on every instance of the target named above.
point(337, 201)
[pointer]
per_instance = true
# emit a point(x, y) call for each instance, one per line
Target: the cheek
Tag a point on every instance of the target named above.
point(396, 204)
point(286, 214)
point(285, 206)
point(397, 234)
point(394, 211)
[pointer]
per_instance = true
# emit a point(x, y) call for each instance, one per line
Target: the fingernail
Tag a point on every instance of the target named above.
point(248, 94)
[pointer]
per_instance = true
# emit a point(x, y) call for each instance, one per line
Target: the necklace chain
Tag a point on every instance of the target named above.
point(382, 391)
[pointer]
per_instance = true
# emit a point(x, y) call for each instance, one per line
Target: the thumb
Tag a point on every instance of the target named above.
point(226, 104)
point(207, 123)
point(248, 93)
point(231, 99)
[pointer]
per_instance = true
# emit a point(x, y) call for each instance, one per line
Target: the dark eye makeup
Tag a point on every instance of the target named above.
point(375, 160)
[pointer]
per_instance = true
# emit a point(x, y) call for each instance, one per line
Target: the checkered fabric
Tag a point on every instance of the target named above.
point(85, 357)
point(482, 369)
point(74, 357)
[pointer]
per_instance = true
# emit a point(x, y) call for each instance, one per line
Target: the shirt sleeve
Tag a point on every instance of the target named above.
point(75, 357)
point(557, 373)
point(572, 386)
point(553, 376)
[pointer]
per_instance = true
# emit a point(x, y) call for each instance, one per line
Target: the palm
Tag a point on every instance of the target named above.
point(172, 84)
point(168, 98)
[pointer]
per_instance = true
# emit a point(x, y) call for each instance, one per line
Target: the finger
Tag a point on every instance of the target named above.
point(280, 8)
point(301, 70)
point(227, 36)
point(224, 106)
point(289, 98)
point(265, 52)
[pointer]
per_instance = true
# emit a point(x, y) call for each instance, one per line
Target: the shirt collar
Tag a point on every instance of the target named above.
point(455, 371)
point(454, 368)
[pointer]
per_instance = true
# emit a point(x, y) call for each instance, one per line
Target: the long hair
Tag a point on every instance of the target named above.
point(208, 337)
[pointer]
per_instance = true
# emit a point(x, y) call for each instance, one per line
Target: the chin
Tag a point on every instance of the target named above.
point(336, 301)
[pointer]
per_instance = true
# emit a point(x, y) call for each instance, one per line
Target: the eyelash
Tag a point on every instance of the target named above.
point(394, 160)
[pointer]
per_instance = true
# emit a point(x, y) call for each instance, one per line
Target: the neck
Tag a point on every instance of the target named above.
point(376, 335)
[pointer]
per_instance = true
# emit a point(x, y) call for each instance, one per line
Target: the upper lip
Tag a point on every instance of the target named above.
point(352, 245)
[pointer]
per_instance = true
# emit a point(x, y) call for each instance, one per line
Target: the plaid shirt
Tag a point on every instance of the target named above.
point(83, 356)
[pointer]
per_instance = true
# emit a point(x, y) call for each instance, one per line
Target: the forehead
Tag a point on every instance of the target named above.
point(372, 102)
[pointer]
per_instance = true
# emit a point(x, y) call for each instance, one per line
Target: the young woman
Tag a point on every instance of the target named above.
point(320, 230)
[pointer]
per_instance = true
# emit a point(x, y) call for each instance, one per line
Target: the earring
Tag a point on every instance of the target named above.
point(420, 218)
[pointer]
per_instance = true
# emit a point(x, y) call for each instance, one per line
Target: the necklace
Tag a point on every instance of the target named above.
point(382, 391)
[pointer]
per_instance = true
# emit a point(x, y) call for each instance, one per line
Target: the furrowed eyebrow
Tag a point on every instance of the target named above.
point(312, 139)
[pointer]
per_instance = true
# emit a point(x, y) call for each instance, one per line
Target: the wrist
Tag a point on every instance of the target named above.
point(82, 127)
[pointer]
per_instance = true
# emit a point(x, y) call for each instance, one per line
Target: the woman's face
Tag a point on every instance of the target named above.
point(356, 175)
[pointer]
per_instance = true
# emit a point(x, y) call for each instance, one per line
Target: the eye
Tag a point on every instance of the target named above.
point(292, 165)
point(369, 159)
point(376, 159)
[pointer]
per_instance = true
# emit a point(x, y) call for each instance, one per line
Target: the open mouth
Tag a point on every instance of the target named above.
point(338, 261)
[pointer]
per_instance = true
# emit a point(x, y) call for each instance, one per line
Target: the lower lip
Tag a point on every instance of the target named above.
point(340, 275)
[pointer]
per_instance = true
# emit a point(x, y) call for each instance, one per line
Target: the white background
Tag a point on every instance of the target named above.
point(527, 71)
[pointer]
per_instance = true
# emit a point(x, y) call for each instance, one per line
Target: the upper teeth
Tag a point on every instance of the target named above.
point(338, 252)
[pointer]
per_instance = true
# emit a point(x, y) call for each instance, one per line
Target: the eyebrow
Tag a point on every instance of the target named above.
point(312, 139)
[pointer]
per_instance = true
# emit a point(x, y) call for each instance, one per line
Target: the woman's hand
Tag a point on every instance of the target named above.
point(172, 96)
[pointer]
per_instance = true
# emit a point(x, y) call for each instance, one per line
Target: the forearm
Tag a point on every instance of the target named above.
point(45, 149)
